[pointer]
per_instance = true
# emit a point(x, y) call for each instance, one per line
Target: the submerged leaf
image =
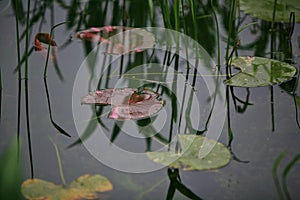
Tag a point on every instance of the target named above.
point(119, 39)
point(85, 186)
point(264, 9)
point(188, 158)
point(126, 102)
point(258, 71)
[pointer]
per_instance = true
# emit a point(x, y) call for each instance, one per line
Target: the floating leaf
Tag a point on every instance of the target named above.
point(85, 186)
point(127, 102)
point(257, 71)
point(120, 39)
point(188, 158)
point(100, 34)
point(264, 9)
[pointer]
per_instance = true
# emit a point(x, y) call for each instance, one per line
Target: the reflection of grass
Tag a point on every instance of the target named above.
point(283, 191)
point(48, 52)
point(25, 60)
point(274, 173)
point(232, 14)
point(27, 88)
point(10, 172)
point(218, 33)
point(176, 184)
point(19, 75)
point(0, 94)
point(285, 173)
point(61, 130)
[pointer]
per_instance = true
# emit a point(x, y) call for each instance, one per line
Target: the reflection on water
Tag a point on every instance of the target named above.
point(261, 123)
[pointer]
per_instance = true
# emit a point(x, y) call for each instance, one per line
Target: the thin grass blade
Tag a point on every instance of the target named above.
point(285, 173)
point(274, 174)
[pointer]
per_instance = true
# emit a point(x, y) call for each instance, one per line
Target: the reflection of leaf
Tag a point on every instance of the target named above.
point(264, 9)
point(126, 102)
point(119, 39)
point(85, 186)
point(258, 71)
point(188, 159)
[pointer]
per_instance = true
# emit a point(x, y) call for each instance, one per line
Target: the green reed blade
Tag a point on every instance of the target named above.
point(151, 10)
point(285, 173)
point(218, 33)
point(274, 173)
point(230, 26)
point(27, 89)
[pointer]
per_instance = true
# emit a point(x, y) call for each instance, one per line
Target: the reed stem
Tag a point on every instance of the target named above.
point(49, 46)
point(27, 90)
point(230, 27)
point(19, 75)
point(218, 33)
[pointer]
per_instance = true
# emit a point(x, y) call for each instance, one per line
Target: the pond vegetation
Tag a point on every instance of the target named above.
point(168, 73)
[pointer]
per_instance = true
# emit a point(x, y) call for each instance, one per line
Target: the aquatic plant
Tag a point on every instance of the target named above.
point(188, 158)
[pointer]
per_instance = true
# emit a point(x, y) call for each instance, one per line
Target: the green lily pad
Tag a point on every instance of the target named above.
point(188, 158)
point(257, 71)
point(84, 187)
point(264, 9)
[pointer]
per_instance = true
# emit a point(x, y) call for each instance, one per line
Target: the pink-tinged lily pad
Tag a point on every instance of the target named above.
point(119, 39)
point(127, 102)
point(100, 34)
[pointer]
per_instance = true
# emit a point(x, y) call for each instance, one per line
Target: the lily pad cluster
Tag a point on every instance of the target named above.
point(85, 186)
point(258, 71)
point(128, 103)
point(264, 9)
point(188, 158)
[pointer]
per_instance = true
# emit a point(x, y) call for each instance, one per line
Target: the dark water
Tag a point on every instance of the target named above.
point(260, 131)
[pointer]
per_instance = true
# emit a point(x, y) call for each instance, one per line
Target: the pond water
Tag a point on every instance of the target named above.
point(256, 124)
